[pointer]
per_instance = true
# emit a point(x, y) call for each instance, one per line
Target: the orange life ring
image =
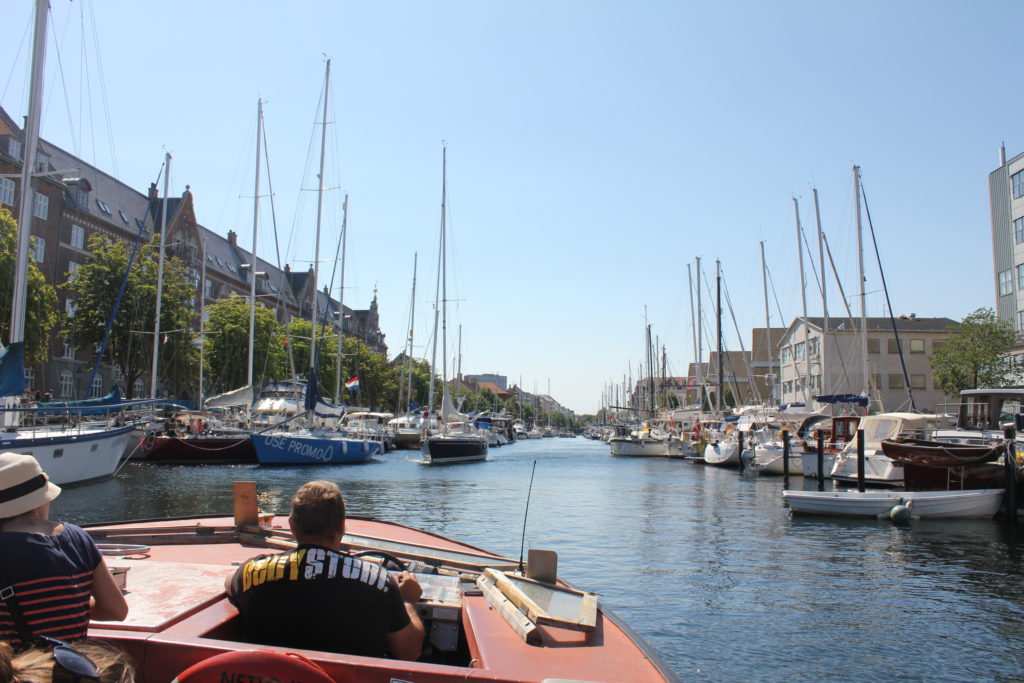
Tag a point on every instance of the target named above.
point(259, 664)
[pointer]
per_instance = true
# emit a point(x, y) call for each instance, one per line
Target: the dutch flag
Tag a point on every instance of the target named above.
point(352, 384)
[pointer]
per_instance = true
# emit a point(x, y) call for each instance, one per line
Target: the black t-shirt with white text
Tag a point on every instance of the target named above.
point(318, 599)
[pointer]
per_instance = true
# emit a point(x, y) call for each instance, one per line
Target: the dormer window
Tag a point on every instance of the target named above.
point(124, 216)
point(103, 207)
point(14, 148)
point(42, 163)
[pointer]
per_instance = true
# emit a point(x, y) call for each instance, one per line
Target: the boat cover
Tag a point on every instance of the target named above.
point(236, 397)
point(12, 370)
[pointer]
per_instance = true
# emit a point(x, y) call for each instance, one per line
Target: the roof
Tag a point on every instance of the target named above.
point(885, 324)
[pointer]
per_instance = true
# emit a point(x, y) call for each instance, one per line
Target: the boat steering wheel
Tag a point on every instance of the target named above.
point(388, 558)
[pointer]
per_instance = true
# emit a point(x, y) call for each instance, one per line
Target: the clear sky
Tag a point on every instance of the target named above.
point(594, 150)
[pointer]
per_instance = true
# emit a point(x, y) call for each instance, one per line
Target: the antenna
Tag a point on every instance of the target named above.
point(529, 492)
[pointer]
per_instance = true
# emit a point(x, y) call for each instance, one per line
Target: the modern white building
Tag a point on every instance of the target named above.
point(813, 363)
point(1006, 199)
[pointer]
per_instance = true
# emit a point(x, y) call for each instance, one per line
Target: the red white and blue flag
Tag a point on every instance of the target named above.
point(352, 384)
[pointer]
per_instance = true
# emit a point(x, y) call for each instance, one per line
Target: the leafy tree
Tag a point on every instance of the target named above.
point(227, 345)
point(97, 283)
point(975, 356)
point(378, 379)
point(420, 370)
point(41, 307)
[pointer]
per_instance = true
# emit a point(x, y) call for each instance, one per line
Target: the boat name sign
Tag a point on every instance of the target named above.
point(303, 449)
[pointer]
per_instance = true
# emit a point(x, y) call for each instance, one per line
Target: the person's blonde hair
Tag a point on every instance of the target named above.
point(318, 509)
point(35, 665)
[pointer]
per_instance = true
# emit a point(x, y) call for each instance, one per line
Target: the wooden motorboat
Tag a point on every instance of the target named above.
point(940, 465)
point(484, 619)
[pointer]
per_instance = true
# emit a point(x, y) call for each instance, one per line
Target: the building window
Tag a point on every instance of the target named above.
point(874, 346)
point(138, 388)
point(69, 349)
point(38, 249)
point(30, 379)
point(1020, 277)
point(124, 216)
point(208, 289)
point(917, 345)
point(892, 346)
point(1018, 230)
point(70, 307)
point(876, 382)
point(813, 345)
point(78, 236)
point(896, 381)
point(96, 390)
point(1005, 283)
point(40, 205)
point(118, 373)
point(14, 148)
point(103, 207)
point(917, 382)
point(1018, 184)
point(72, 270)
point(7, 191)
point(42, 163)
point(937, 344)
point(798, 351)
point(67, 384)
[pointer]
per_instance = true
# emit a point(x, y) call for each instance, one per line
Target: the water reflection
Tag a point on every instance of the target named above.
point(705, 563)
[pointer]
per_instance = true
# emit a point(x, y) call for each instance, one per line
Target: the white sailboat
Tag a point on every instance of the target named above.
point(458, 440)
point(69, 455)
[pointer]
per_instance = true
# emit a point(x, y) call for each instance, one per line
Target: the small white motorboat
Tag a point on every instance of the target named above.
point(967, 503)
point(876, 504)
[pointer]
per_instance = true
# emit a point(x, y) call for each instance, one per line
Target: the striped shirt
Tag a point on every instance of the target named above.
point(52, 577)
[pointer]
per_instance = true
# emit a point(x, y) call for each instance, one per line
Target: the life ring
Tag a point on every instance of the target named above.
point(255, 665)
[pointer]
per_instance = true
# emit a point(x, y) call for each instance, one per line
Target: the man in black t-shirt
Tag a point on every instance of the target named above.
point(319, 598)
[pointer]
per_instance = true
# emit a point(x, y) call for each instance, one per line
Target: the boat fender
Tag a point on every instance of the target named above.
point(122, 548)
point(255, 665)
point(900, 514)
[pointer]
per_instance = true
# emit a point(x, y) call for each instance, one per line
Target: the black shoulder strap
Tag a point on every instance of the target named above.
point(14, 607)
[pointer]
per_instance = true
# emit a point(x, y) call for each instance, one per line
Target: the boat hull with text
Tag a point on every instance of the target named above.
point(311, 449)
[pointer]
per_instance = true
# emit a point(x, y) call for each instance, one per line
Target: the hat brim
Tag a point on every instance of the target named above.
point(27, 503)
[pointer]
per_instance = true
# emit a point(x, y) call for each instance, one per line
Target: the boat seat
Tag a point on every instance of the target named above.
point(255, 665)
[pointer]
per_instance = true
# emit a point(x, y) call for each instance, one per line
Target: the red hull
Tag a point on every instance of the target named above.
point(199, 450)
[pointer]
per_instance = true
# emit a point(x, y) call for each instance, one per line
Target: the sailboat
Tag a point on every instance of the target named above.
point(309, 445)
point(69, 455)
point(458, 439)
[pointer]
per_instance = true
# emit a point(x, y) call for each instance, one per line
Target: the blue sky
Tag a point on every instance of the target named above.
point(594, 150)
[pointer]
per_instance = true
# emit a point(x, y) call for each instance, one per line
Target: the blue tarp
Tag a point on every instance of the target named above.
point(12, 370)
point(852, 399)
point(88, 406)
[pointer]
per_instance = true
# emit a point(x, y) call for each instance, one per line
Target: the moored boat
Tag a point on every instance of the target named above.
point(485, 619)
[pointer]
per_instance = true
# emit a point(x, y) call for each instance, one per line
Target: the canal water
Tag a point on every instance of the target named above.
point(704, 563)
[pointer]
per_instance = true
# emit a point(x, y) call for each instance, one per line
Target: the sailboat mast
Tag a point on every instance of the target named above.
point(693, 330)
point(721, 365)
point(160, 276)
point(255, 232)
point(700, 342)
point(35, 108)
point(444, 266)
point(341, 302)
point(803, 297)
point(767, 324)
point(863, 296)
point(824, 297)
point(407, 385)
point(437, 287)
point(319, 214)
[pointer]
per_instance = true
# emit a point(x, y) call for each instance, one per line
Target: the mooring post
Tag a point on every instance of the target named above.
point(860, 460)
point(785, 458)
point(739, 447)
point(1010, 499)
point(821, 461)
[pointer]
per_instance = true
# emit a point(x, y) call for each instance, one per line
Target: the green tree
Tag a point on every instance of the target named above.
point(41, 307)
point(975, 356)
point(96, 284)
point(227, 345)
point(378, 379)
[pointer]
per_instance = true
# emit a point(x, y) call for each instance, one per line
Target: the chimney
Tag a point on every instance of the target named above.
point(327, 292)
point(287, 269)
point(153, 192)
point(232, 238)
point(1002, 155)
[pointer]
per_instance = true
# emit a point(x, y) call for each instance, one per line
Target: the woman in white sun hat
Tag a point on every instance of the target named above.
point(51, 573)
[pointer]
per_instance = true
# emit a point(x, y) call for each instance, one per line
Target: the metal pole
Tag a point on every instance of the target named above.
point(160, 277)
point(860, 460)
point(255, 232)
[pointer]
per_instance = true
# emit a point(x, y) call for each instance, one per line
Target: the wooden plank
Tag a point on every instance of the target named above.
point(246, 504)
point(537, 614)
point(518, 621)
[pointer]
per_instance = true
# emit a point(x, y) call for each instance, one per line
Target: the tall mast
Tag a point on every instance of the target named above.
point(319, 214)
point(863, 296)
point(700, 343)
point(255, 232)
point(824, 298)
point(160, 276)
point(721, 365)
point(693, 331)
point(437, 286)
point(444, 265)
point(341, 302)
point(202, 320)
point(406, 389)
point(803, 297)
point(767, 324)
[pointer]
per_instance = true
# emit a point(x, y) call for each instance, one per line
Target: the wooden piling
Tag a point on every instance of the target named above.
point(785, 458)
point(821, 461)
point(860, 460)
point(739, 447)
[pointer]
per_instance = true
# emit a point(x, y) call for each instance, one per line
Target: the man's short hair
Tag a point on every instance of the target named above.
point(318, 509)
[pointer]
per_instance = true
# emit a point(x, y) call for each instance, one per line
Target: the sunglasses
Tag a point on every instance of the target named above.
point(70, 665)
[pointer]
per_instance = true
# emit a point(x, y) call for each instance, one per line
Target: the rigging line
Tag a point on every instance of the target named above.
point(846, 304)
point(64, 88)
point(277, 248)
point(888, 303)
point(743, 351)
point(14, 66)
point(104, 98)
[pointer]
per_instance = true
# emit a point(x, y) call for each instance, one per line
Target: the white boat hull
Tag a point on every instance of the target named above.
point(953, 504)
point(72, 456)
point(879, 470)
point(875, 504)
point(722, 454)
point(768, 460)
point(809, 463)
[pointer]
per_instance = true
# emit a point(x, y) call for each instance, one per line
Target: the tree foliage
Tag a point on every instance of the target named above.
point(96, 284)
point(226, 350)
point(41, 307)
point(975, 356)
